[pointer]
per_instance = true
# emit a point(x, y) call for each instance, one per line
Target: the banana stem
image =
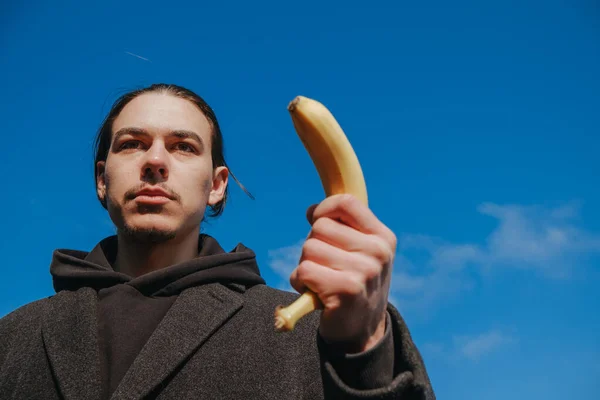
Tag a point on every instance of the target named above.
point(286, 317)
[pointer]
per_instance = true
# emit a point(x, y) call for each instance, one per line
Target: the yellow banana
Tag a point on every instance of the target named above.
point(339, 171)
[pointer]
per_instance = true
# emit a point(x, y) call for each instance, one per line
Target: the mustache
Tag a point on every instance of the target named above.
point(132, 193)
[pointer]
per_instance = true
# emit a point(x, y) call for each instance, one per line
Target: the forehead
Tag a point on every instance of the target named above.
point(161, 113)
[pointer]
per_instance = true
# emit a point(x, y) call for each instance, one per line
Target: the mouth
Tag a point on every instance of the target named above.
point(152, 197)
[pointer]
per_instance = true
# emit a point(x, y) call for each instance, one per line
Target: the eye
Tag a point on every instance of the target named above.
point(185, 147)
point(130, 144)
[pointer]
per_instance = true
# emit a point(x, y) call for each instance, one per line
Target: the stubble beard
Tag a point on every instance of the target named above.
point(146, 235)
point(140, 236)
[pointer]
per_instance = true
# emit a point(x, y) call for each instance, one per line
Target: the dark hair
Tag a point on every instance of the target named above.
point(104, 136)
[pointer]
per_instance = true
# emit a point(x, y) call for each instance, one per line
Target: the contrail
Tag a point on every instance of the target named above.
point(140, 57)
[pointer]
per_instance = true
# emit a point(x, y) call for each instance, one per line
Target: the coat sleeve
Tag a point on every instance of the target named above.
point(8, 324)
point(394, 369)
point(5, 334)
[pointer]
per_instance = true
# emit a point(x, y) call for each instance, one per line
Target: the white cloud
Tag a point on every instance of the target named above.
point(469, 347)
point(475, 347)
point(428, 270)
point(283, 261)
point(547, 241)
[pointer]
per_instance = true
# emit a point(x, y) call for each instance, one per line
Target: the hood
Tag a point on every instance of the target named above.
point(73, 269)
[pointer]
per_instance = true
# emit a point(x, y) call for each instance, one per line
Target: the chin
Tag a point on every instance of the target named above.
point(145, 228)
point(147, 234)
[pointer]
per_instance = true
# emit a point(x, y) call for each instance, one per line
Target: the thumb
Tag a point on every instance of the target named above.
point(310, 212)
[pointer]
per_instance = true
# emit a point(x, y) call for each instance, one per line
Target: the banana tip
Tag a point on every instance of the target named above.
point(294, 103)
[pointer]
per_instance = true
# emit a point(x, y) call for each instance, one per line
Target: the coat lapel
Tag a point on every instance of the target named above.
point(196, 314)
point(70, 338)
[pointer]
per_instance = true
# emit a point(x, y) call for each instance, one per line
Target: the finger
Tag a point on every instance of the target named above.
point(338, 234)
point(350, 211)
point(324, 281)
point(309, 213)
point(349, 239)
point(333, 257)
point(296, 283)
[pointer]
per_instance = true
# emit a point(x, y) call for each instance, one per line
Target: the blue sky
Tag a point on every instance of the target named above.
point(477, 125)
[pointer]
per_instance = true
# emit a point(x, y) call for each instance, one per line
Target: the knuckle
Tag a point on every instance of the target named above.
point(393, 239)
point(310, 247)
point(294, 280)
point(356, 287)
point(321, 225)
point(347, 201)
point(381, 250)
point(303, 271)
point(372, 271)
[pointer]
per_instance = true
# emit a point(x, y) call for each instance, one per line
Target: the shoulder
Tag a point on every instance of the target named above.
point(31, 314)
point(26, 314)
point(20, 326)
point(262, 301)
point(269, 294)
point(267, 297)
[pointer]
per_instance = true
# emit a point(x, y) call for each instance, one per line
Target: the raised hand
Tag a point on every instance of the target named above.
point(347, 261)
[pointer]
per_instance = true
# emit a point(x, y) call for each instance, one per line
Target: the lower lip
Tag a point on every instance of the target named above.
point(155, 200)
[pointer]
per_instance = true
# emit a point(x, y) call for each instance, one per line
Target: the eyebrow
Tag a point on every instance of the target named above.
point(178, 133)
point(129, 131)
point(183, 134)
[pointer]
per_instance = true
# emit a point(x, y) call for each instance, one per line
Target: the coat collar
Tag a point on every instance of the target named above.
point(70, 335)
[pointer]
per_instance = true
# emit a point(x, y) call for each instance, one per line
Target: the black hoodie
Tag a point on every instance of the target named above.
point(129, 309)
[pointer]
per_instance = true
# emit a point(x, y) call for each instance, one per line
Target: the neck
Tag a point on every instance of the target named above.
point(136, 257)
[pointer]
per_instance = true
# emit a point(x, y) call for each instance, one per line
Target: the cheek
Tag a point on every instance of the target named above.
point(206, 186)
point(197, 194)
point(194, 195)
point(192, 182)
point(118, 180)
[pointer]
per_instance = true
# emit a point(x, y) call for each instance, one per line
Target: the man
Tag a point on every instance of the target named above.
point(162, 311)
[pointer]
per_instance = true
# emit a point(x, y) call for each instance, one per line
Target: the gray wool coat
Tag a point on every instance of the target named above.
point(216, 342)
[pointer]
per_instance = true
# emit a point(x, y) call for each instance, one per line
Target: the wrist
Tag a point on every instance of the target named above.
point(361, 343)
point(376, 337)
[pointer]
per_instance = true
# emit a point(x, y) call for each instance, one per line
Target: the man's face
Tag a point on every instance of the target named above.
point(158, 177)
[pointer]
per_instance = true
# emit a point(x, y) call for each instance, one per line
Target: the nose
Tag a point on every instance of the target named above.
point(155, 167)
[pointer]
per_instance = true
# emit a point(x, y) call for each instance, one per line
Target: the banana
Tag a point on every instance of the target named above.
point(339, 170)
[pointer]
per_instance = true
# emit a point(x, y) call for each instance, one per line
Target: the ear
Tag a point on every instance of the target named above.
point(219, 184)
point(101, 181)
